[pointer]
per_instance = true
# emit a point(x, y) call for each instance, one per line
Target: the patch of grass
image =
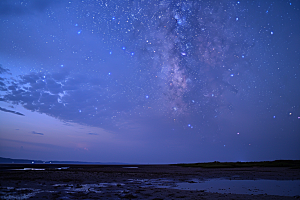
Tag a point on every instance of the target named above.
point(294, 164)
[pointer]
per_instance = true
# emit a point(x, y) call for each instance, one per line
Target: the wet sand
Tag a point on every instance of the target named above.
point(136, 182)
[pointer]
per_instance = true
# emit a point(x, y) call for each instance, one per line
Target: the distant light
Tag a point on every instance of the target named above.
point(243, 56)
point(109, 73)
point(231, 75)
point(110, 52)
point(189, 125)
point(76, 24)
point(192, 127)
point(236, 19)
point(61, 65)
point(274, 116)
point(272, 32)
point(224, 145)
point(290, 4)
point(298, 117)
point(183, 53)
point(123, 48)
point(238, 2)
point(79, 32)
point(132, 53)
point(147, 96)
point(212, 95)
point(193, 101)
point(237, 133)
point(79, 111)
point(290, 114)
point(113, 18)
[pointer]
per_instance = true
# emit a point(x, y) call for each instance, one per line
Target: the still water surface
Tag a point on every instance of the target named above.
point(270, 187)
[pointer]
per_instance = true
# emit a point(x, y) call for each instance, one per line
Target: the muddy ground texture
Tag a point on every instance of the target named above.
point(116, 182)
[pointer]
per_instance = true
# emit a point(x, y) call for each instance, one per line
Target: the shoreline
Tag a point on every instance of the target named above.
point(136, 182)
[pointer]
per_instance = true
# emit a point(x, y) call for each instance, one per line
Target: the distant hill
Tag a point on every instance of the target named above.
point(26, 161)
point(18, 161)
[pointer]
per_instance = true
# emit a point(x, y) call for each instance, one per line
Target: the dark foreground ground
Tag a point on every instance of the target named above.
point(116, 182)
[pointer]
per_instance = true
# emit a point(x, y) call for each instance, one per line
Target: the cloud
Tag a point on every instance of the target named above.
point(33, 132)
point(11, 111)
point(3, 71)
point(73, 98)
point(93, 133)
point(3, 86)
point(15, 7)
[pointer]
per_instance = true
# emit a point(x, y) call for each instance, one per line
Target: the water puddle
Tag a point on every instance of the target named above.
point(60, 168)
point(31, 169)
point(38, 169)
point(18, 193)
point(130, 167)
point(255, 187)
point(270, 187)
point(158, 183)
point(70, 188)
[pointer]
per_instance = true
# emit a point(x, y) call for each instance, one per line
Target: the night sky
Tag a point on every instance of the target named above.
point(158, 81)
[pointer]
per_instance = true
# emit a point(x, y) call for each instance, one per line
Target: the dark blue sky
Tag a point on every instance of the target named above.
point(150, 81)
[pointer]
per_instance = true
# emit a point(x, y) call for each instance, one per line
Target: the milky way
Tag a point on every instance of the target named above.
point(183, 56)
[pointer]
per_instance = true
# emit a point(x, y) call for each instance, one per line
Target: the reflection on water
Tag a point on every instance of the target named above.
point(64, 189)
point(70, 188)
point(122, 189)
point(18, 193)
point(38, 169)
point(32, 169)
point(270, 187)
point(130, 167)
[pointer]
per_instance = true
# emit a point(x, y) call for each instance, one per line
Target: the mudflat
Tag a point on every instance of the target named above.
point(46, 181)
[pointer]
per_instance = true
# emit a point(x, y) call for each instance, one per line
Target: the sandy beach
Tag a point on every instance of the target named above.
point(129, 182)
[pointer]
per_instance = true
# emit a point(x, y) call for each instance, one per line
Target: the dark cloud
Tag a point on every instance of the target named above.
point(20, 7)
point(3, 86)
point(60, 76)
point(93, 133)
point(3, 71)
point(11, 111)
point(33, 132)
point(73, 99)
